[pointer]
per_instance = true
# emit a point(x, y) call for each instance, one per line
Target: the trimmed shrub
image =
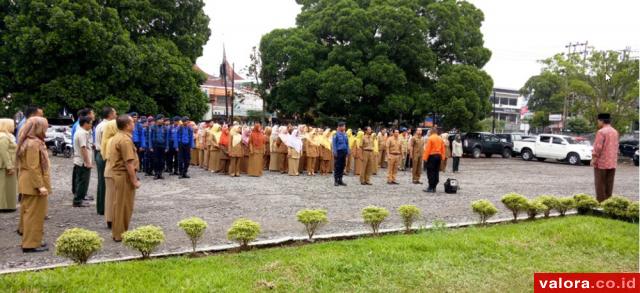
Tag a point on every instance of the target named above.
point(243, 231)
point(549, 201)
point(632, 212)
point(515, 203)
point(374, 216)
point(78, 244)
point(194, 228)
point(485, 209)
point(409, 214)
point(585, 203)
point(565, 204)
point(535, 207)
point(144, 239)
point(312, 219)
point(616, 206)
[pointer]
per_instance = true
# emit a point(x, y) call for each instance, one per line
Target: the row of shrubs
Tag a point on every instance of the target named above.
point(617, 207)
point(80, 244)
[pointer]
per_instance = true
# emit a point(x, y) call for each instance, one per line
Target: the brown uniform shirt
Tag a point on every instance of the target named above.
point(31, 176)
point(394, 146)
point(311, 150)
point(236, 151)
point(123, 150)
point(417, 145)
point(367, 143)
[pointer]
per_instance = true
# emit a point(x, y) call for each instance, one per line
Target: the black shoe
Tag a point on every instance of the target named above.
point(390, 183)
point(109, 225)
point(395, 183)
point(363, 183)
point(89, 198)
point(80, 205)
point(174, 174)
point(19, 233)
point(35, 250)
point(429, 190)
point(116, 240)
point(336, 184)
point(342, 183)
point(44, 244)
point(185, 176)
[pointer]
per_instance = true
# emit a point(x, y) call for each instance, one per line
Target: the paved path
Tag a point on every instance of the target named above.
point(273, 200)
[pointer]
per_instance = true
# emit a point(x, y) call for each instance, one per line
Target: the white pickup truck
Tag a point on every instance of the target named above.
point(555, 147)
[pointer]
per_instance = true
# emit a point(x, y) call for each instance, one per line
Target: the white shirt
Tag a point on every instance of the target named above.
point(99, 130)
point(82, 139)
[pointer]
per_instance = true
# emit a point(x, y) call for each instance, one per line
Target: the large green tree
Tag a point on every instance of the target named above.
point(601, 81)
point(378, 61)
point(134, 55)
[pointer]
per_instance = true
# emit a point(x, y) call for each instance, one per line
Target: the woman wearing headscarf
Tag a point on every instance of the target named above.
point(34, 182)
point(312, 151)
point(376, 153)
point(195, 151)
point(8, 181)
point(235, 151)
point(358, 153)
point(200, 142)
point(302, 132)
point(352, 140)
point(325, 152)
point(294, 149)
point(256, 151)
point(447, 149)
point(110, 130)
point(214, 148)
point(244, 162)
point(224, 145)
point(267, 147)
point(281, 147)
point(273, 148)
point(204, 146)
point(456, 152)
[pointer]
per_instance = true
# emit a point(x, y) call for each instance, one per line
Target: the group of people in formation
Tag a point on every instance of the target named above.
point(118, 147)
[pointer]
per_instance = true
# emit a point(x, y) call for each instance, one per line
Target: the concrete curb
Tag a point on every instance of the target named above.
point(270, 243)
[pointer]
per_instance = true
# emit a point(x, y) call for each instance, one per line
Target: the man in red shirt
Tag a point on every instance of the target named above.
point(605, 157)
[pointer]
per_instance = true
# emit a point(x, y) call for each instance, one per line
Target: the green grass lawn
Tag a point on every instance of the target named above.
point(491, 259)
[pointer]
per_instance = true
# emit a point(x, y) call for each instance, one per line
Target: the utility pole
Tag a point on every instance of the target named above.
point(493, 122)
point(233, 89)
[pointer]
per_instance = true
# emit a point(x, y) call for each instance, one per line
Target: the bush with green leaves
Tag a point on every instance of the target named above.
point(194, 227)
point(565, 204)
point(78, 244)
point(144, 239)
point(549, 201)
point(632, 212)
point(312, 219)
point(616, 206)
point(409, 214)
point(374, 216)
point(243, 231)
point(535, 207)
point(485, 209)
point(516, 203)
point(585, 203)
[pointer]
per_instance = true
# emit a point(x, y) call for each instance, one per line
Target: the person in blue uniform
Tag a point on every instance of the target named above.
point(171, 159)
point(138, 136)
point(184, 143)
point(159, 146)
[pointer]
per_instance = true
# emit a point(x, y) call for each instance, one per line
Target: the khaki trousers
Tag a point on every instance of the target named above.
point(603, 179)
point(109, 197)
point(311, 164)
point(33, 209)
point(416, 168)
point(367, 166)
point(293, 166)
point(123, 204)
point(393, 162)
point(234, 166)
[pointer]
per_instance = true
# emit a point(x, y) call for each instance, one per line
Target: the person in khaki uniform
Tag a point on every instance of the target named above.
point(352, 141)
point(368, 157)
point(416, 147)
point(281, 149)
point(235, 152)
point(357, 153)
point(110, 130)
point(8, 180)
point(382, 141)
point(394, 151)
point(312, 149)
point(267, 148)
point(404, 138)
point(214, 148)
point(34, 183)
point(294, 146)
point(124, 164)
point(376, 153)
point(256, 151)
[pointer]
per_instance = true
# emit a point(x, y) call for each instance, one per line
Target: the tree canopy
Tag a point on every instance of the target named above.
point(131, 54)
point(602, 81)
point(378, 61)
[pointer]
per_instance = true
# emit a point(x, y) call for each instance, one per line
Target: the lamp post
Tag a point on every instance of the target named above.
point(493, 122)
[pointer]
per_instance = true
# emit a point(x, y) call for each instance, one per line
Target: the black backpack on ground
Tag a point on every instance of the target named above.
point(451, 186)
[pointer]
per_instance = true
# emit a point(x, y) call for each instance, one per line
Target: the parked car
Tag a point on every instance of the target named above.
point(635, 158)
point(555, 147)
point(628, 147)
point(513, 137)
point(477, 143)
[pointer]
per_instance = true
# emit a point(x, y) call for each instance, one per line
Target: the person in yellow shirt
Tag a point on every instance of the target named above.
point(434, 152)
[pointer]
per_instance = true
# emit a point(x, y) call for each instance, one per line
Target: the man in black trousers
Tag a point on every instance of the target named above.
point(340, 148)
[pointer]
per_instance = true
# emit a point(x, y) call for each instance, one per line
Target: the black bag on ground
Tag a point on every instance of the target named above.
point(451, 186)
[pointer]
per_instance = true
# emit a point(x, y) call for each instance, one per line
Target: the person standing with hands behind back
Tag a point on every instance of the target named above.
point(340, 149)
point(433, 154)
point(123, 160)
point(82, 160)
point(34, 183)
point(605, 157)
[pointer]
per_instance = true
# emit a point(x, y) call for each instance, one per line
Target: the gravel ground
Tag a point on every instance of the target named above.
point(273, 200)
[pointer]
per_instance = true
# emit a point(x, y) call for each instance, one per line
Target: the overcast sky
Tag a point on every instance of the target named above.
point(518, 32)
